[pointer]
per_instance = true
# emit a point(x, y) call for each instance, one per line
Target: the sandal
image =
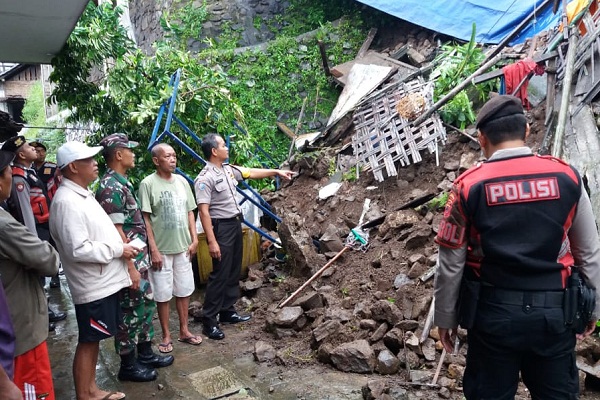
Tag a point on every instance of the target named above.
point(193, 340)
point(118, 394)
point(165, 347)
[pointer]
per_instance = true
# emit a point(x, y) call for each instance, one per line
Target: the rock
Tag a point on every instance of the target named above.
point(451, 176)
point(412, 342)
point(432, 260)
point(408, 325)
point(467, 160)
point(451, 165)
point(325, 330)
point(298, 245)
point(434, 333)
point(367, 324)
point(374, 389)
point(416, 258)
point(393, 340)
point(401, 280)
point(414, 361)
point(384, 310)
point(249, 285)
point(161, 386)
point(324, 353)
point(419, 237)
point(398, 393)
point(416, 270)
point(420, 376)
point(395, 254)
point(445, 185)
point(378, 334)
point(421, 307)
point(387, 363)
point(398, 220)
point(330, 240)
point(446, 382)
point(455, 371)
point(362, 310)
point(444, 393)
point(287, 316)
point(310, 301)
point(263, 351)
point(195, 309)
point(280, 333)
point(338, 314)
point(428, 349)
point(355, 356)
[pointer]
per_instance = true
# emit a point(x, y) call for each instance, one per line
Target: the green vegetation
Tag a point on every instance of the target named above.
point(454, 64)
point(254, 88)
point(35, 115)
point(438, 202)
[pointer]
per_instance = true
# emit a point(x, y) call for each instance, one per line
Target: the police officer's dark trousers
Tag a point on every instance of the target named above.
point(222, 289)
point(528, 336)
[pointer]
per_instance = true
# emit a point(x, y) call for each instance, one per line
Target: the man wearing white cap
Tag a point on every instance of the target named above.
point(94, 260)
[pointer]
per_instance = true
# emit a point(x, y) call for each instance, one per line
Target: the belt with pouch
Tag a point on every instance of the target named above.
point(546, 299)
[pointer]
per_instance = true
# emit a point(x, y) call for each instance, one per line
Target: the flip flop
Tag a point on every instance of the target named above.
point(165, 347)
point(193, 340)
point(118, 394)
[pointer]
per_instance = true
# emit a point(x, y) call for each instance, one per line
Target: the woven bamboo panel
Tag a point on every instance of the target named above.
point(383, 138)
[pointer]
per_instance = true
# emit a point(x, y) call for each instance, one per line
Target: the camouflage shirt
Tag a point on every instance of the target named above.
point(117, 197)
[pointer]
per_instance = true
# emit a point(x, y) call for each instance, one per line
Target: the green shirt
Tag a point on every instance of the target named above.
point(168, 203)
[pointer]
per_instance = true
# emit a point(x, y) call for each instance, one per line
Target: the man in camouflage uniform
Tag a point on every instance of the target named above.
point(116, 196)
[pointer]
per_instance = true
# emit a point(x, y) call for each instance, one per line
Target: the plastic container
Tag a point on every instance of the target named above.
point(251, 253)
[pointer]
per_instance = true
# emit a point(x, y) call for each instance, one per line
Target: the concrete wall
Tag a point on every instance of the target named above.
point(245, 16)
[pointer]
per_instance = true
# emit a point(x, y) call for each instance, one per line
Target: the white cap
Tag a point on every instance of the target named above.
point(73, 151)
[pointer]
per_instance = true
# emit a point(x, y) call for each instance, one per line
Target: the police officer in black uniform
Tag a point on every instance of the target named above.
point(514, 229)
point(221, 218)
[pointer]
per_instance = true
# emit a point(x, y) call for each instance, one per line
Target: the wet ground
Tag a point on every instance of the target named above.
point(214, 370)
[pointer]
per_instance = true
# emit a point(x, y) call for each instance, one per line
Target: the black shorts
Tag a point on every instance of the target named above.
point(98, 319)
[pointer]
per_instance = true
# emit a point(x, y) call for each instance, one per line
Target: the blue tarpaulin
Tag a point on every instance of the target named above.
point(494, 19)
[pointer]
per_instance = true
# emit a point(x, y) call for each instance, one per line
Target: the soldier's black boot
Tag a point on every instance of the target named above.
point(147, 357)
point(133, 371)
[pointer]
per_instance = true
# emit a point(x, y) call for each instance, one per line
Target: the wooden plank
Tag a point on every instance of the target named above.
point(498, 73)
point(375, 58)
point(367, 43)
point(284, 128)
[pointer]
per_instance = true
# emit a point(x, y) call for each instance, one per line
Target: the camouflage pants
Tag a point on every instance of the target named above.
point(138, 311)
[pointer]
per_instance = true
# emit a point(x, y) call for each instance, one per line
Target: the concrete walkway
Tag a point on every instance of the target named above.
point(215, 369)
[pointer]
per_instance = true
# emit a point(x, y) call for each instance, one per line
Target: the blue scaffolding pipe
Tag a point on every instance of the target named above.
point(169, 107)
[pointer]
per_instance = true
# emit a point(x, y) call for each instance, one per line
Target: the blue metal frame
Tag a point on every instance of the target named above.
point(169, 107)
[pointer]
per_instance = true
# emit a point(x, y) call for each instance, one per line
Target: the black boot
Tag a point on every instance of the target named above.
point(133, 371)
point(149, 358)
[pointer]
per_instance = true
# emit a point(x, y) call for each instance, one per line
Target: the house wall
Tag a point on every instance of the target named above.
point(244, 16)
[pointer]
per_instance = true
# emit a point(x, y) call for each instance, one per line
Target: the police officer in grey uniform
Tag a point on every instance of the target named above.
point(221, 219)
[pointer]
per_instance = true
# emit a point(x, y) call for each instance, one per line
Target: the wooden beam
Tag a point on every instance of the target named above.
point(367, 43)
point(288, 132)
point(498, 73)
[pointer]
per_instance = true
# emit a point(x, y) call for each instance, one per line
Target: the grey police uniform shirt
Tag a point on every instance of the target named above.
point(217, 187)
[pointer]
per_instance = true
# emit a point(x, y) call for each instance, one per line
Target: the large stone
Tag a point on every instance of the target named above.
point(287, 316)
point(412, 342)
point(264, 351)
point(387, 363)
point(401, 280)
point(374, 389)
point(418, 237)
point(421, 376)
point(393, 340)
point(298, 244)
point(367, 324)
point(309, 301)
point(338, 314)
point(330, 240)
point(467, 160)
point(428, 349)
point(398, 220)
point(325, 330)
point(384, 310)
point(362, 310)
point(407, 325)
point(355, 356)
point(379, 333)
point(416, 258)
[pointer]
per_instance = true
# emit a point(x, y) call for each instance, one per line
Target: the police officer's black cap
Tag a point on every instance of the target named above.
point(14, 143)
point(6, 158)
point(498, 107)
point(37, 144)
